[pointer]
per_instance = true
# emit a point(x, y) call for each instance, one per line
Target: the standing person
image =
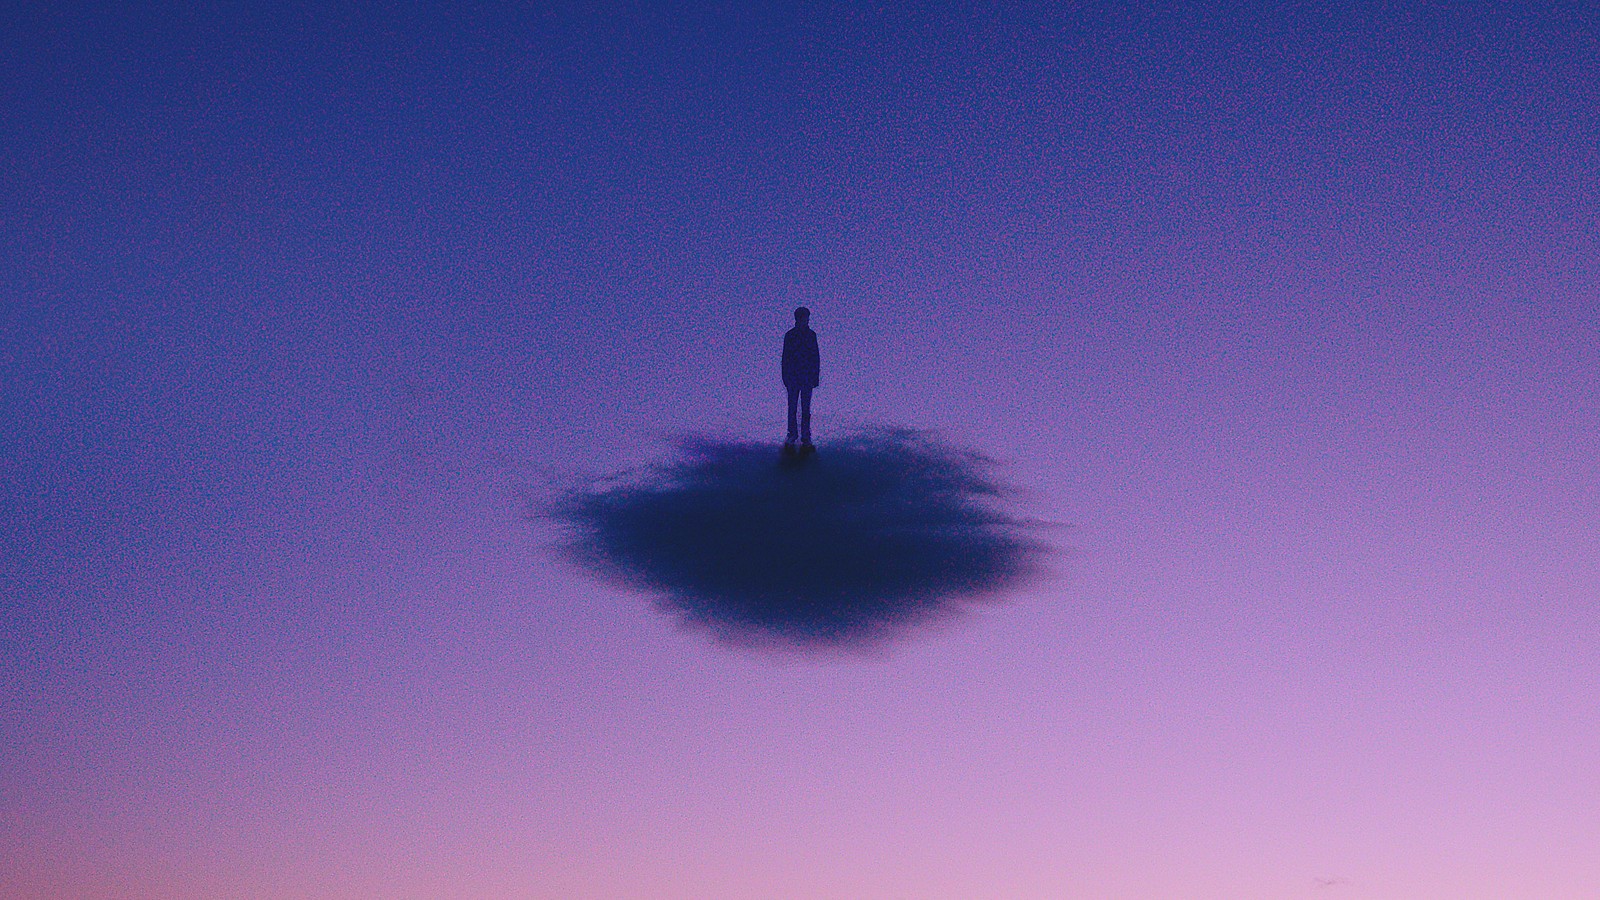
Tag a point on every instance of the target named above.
point(802, 370)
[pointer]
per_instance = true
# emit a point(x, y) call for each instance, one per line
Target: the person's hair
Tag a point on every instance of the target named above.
point(801, 314)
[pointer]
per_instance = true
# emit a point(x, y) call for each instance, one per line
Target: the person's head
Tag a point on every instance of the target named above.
point(802, 316)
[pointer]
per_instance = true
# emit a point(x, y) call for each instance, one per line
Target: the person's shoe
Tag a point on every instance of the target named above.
point(807, 448)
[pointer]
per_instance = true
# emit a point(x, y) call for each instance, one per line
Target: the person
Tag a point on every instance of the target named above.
point(802, 370)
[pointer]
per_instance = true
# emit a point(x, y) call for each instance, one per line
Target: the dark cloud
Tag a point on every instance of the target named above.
point(880, 531)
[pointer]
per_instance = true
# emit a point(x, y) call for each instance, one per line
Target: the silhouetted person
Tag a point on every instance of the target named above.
point(802, 370)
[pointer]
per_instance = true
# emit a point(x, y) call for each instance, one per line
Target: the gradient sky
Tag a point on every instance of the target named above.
point(1288, 318)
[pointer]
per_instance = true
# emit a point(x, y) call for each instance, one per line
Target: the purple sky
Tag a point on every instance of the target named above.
point(1289, 317)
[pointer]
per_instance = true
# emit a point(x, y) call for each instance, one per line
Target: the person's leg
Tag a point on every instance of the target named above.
point(794, 395)
point(805, 415)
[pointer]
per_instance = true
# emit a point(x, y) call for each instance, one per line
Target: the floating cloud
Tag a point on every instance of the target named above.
point(881, 531)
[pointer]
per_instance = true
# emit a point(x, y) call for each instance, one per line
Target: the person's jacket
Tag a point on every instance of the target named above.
point(802, 366)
